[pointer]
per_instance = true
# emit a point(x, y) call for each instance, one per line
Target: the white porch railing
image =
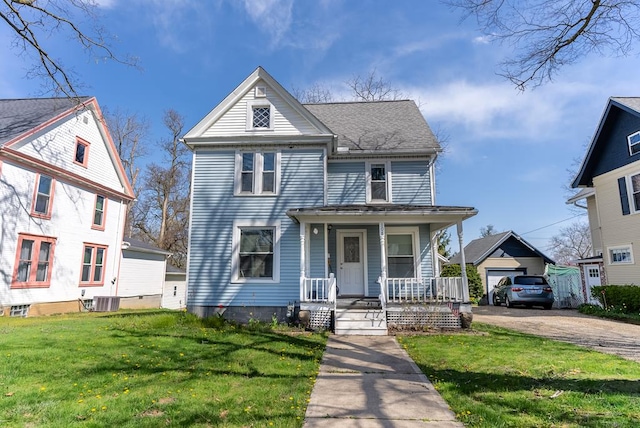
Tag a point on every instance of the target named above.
point(319, 290)
point(426, 290)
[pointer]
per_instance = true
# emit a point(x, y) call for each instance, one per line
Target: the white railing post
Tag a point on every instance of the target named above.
point(463, 264)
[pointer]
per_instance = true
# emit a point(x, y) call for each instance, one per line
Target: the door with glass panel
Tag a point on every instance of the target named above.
point(351, 263)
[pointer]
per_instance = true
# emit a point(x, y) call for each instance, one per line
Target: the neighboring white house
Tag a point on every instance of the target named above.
point(63, 198)
point(174, 295)
point(609, 179)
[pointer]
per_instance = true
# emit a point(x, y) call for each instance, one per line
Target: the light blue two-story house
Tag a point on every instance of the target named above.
point(326, 210)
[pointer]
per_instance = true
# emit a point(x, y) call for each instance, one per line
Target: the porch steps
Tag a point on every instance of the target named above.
point(360, 321)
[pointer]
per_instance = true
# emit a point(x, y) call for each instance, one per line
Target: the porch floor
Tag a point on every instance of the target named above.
point(358, 303)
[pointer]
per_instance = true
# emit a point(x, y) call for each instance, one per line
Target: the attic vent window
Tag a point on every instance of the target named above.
point(261, 91)
point(634, 143)
point(261, 117)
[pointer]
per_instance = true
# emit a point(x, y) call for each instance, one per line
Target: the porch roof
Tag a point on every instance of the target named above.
point(438, 216)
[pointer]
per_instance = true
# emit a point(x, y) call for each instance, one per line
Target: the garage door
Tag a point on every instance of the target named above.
point(494, 275)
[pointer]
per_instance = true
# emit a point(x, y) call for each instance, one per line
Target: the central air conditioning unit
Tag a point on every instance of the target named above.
point(106, 303)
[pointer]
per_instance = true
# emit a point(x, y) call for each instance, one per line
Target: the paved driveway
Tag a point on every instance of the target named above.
point(567, 325)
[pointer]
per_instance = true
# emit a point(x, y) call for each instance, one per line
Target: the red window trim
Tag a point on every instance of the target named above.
point(104, 213)
point(32, 283)
point(94, 253)
point(86, 145)
point(46, 215)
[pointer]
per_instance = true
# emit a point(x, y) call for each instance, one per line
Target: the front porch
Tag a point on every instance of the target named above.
point(403, 303)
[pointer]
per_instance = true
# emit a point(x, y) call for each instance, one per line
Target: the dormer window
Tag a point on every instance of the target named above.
point(81, 154)
point(634, 143)
point(257, 173)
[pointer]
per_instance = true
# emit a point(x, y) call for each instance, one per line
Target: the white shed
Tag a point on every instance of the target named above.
point(174, 295)
point(142, 275)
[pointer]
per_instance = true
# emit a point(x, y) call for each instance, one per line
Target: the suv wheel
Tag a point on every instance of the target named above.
point(496, 302)
point(507, 302)
point(548, 305)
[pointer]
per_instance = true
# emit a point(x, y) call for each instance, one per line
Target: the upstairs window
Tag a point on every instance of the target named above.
point(259, 114)
point(635, 191)
point(81, 153)
point(261, 117)
point(99, 213)
point(257, 173)
point(378, 189)
point(634, 143)
point(34, 260)
point(43, 196)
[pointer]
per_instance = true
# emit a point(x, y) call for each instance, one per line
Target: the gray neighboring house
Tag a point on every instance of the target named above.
point(503, 254)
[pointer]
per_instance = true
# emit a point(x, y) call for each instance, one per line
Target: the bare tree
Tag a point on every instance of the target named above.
point(571, 243)
point(129, 132)
point(372, 88)
point(317, 93)
point(33, 22)
point(165, 199)
point(548, 34)
point(487, 230)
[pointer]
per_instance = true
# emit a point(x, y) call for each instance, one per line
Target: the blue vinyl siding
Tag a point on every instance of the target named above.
point(426, 259)
point(411, 183)
point(346, 182)
point(613, 152)
point(316, 252)
point(214, 210)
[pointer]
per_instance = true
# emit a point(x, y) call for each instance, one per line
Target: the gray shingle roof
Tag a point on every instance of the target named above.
point(631, 102)
point(396, 126)
point(138, 245)
point(475, 249)
point(21, 115)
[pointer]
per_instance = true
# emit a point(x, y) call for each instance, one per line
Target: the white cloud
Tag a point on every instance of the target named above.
point(273, 17)
point(482, 40)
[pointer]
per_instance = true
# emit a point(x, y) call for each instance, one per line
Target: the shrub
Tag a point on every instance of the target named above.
point(625, 298)
point(475, 282)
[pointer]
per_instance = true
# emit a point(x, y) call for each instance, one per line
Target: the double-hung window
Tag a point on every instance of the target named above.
point(257, 173)
point(99, 211)
point(256, 252)
point(378, 186)
point(94, 257)
point(401, 252)
point(34, 260)
point(81, 154)
point(43, 196)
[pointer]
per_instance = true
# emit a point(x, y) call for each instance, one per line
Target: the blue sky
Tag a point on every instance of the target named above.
point(507, 153)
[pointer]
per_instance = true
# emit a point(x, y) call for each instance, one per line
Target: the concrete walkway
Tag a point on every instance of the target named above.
point(370, 381)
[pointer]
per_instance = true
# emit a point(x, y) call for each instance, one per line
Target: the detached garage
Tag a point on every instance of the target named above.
point(503, 254)
point(142, 275)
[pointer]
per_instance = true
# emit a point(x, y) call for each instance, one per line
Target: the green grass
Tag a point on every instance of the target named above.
point(153, 369)
point(510, 379)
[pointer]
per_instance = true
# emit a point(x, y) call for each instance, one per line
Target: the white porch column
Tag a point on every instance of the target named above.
point(383, 252)
point(303, 261)
point(326, 250)
point(463, 264)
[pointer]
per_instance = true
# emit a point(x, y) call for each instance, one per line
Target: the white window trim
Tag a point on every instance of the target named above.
point(257, 174)
point(620, 247)
point(629, 184)
point(407, 230)
point(387, 166)
point(629, 143)
point(262, 102)
point(235, 257)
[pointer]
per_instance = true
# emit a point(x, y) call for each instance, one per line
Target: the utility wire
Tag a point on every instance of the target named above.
point(553, 224)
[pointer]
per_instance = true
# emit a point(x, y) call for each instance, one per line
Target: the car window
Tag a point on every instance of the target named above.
point(530, 280)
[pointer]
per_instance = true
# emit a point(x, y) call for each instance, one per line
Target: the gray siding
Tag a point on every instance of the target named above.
point(426, 259)
point(614, 152)
point(346, 183)
point(214, 211)
point(316, 250)
point(411, 183)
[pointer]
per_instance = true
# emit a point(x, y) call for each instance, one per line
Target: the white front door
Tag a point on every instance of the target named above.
point(592, 279)
point(351, 263)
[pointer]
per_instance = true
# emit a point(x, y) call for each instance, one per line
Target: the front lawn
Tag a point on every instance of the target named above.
point(153, 369)
point(511, 379)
